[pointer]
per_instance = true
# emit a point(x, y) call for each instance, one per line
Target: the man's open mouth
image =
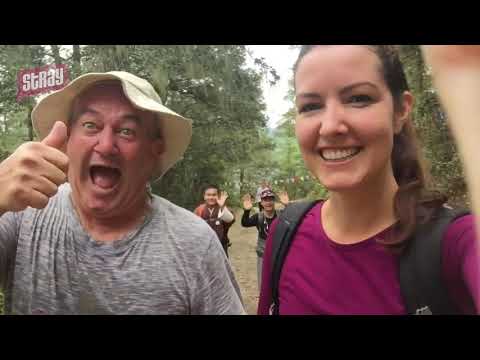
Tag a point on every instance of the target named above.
point(105, 177)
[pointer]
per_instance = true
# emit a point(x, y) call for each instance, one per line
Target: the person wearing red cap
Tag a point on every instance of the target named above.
point(262, 221)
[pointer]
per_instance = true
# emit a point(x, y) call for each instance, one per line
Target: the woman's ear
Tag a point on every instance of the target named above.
point(404, 114)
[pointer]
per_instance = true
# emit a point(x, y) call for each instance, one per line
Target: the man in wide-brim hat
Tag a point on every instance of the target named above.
point(79, 231)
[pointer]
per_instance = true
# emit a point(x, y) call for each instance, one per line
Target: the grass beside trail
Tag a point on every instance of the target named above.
point(1, 303)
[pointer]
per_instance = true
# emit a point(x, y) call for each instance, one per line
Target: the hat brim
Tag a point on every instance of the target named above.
point(176, 130)
point(268, 196)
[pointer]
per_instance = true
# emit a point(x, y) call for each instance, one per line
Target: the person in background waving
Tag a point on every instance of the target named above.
point(262, 220)
point(216, 214)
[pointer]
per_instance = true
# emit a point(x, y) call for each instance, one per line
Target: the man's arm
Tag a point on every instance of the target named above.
point(9, 231)
point(225, 215)
point(249, 221)
point(217, 291)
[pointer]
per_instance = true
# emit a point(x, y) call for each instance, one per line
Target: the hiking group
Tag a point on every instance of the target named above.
point(82, 233)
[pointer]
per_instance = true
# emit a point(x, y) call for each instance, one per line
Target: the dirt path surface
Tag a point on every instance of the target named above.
point(244, 261)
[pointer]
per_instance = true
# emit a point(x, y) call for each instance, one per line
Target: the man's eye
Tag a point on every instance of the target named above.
point(127, 132)
point(89, 125)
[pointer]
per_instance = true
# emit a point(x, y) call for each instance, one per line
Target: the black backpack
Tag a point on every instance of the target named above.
point(420, 263)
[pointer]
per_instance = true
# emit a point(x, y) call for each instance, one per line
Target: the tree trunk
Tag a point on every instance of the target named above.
point(56, 54)
point(242, 177)
point(77, 65)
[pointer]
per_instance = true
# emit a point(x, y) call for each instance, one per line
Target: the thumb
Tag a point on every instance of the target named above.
point(57, 137)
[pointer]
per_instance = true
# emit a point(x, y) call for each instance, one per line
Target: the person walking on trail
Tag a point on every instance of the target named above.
point(382, 243)
point(101, 243)
point(216, 214)
point(262, 221)
point(263, 185)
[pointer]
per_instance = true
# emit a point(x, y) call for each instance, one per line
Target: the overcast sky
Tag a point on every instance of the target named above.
point(281, 58)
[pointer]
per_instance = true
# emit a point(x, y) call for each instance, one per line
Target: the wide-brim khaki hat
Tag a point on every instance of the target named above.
point(176, 130)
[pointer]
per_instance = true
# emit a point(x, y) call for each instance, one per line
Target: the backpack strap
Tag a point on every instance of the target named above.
point(288, 222)
point(421, 278)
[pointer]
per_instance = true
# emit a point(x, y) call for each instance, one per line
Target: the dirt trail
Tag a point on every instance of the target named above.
point(244, 261)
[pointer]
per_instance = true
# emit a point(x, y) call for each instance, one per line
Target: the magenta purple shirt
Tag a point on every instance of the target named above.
point(322, 277)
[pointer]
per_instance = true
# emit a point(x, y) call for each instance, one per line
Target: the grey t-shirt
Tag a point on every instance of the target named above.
point(171, 264)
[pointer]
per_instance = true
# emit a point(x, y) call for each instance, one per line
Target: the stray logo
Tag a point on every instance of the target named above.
point(31, 82)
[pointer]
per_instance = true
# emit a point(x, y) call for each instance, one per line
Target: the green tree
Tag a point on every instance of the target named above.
point(212, 86)
point(15, 124)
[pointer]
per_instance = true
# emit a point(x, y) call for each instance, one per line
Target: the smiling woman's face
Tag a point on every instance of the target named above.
point(346, 122)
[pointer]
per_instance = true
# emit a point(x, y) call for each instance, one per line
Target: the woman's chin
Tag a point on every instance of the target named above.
point(340, 185)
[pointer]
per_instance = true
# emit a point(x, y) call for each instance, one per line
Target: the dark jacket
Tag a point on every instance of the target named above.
point(262, 226)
